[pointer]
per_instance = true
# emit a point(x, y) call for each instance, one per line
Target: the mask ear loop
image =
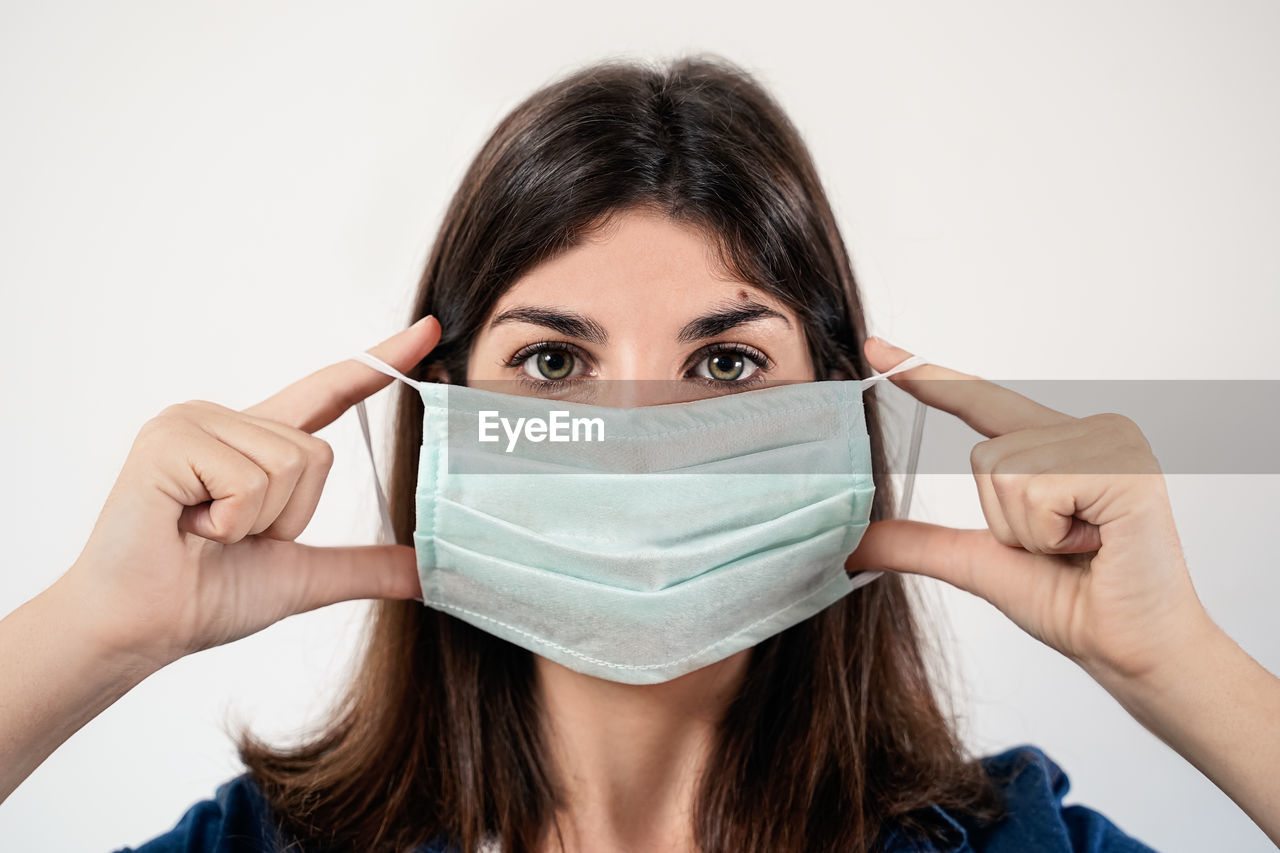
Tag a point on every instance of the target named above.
point(388, 532)
point(913, 459)
point(388, 535)
point(913, 454)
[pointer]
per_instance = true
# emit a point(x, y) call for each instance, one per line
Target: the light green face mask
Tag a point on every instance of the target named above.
point(639, 544)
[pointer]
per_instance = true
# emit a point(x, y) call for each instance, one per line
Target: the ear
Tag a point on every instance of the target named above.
point(437, 373)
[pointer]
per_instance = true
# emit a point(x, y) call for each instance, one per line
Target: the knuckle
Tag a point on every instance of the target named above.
point(1113, 421)
point(982, 457)
point(188, 409)
point(1123, 431)
point(1003, 481)
point(295, 461)
point(1008, 472)
point(202, 406)
point(323, 452)
point(175, 411)
point(256, 481)
point(166, 426)
point(1037, 489)
point(157, 426)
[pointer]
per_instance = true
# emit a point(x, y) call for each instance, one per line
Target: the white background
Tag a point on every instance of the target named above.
point(210, 200)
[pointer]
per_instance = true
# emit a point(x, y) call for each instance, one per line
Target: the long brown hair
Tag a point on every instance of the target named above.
point(836, 734)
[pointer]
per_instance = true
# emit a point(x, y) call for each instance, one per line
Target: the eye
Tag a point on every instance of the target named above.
point(550, 364)
point(726, 365)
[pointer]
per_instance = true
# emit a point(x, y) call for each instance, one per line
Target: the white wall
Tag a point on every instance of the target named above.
point(211, 200)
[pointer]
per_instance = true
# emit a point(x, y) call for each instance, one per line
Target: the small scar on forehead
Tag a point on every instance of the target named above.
point(742, 295)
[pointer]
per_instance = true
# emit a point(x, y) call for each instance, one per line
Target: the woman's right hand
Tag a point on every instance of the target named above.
point(195, 544)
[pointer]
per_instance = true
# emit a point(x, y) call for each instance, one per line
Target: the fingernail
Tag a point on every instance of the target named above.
point(420, 321)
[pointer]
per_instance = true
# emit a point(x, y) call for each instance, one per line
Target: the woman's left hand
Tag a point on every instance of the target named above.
point(1081, 550)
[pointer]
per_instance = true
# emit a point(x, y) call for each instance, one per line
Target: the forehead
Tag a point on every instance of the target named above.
point(639, 265)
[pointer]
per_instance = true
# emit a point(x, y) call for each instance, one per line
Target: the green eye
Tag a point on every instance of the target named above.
point(725, 366)
point(550, 364)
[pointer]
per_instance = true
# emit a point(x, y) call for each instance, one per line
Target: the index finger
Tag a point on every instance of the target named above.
point(316, 400)
point(989, 408)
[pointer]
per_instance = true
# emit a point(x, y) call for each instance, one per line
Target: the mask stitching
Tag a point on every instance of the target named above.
point(840, 410)
point(437, 568)
point(435, 489)
point(682, 470)
point(600, 662)
point(845, 428)
point(854, 490)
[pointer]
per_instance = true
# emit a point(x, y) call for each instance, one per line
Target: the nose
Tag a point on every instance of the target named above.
point(644, 373)
point(631, 393)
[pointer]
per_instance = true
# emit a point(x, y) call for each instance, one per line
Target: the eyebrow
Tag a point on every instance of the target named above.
point(576, 325)
point(569, 323)
point(721, 321)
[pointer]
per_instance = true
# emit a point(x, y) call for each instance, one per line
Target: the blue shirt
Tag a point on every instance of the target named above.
point(237, 819)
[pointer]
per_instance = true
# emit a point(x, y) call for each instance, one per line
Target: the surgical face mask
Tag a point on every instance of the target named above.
point(638, 544)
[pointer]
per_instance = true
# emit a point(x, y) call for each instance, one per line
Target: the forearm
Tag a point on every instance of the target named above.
point(55, 676)
point(1220, 709)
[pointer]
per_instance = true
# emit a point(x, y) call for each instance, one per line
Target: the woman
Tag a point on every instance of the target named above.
point(627, 223)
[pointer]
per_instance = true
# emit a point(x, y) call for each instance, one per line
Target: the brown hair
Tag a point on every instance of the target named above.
point(836, 734)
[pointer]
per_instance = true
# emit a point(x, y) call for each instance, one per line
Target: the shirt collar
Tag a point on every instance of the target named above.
point(955, 840)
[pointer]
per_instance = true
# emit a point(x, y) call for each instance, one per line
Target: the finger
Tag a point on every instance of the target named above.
point(327, 575)
point(1016, 582)
point(1039, 505)
point(993, 510)
point(1010, 494)
point(1036, 449)
point(221, 489)
point(300, 509)
point(285, 522)
point(1032, 499)
point(989, 408)
point(1002, 467)
point(1003, 515)
point(1050, 510)
point(282, 459)
point(315, 401)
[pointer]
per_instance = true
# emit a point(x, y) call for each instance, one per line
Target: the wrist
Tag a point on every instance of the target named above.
point(55, 676)
point(1189, 660)
point(1214, 705)
point(96, 627)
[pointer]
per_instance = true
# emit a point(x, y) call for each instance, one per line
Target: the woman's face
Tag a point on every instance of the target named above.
point(642, 299)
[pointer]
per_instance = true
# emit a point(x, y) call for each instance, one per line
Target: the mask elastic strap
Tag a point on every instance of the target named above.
point(388, 529)
point(913, 455)
point(382, 367)
point(905, 364)
point(904, 503)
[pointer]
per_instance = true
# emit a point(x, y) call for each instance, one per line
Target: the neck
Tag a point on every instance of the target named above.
point(628, 756)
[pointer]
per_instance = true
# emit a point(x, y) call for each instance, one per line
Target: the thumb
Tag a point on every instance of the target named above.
point(327, 575)
point(971, 560)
